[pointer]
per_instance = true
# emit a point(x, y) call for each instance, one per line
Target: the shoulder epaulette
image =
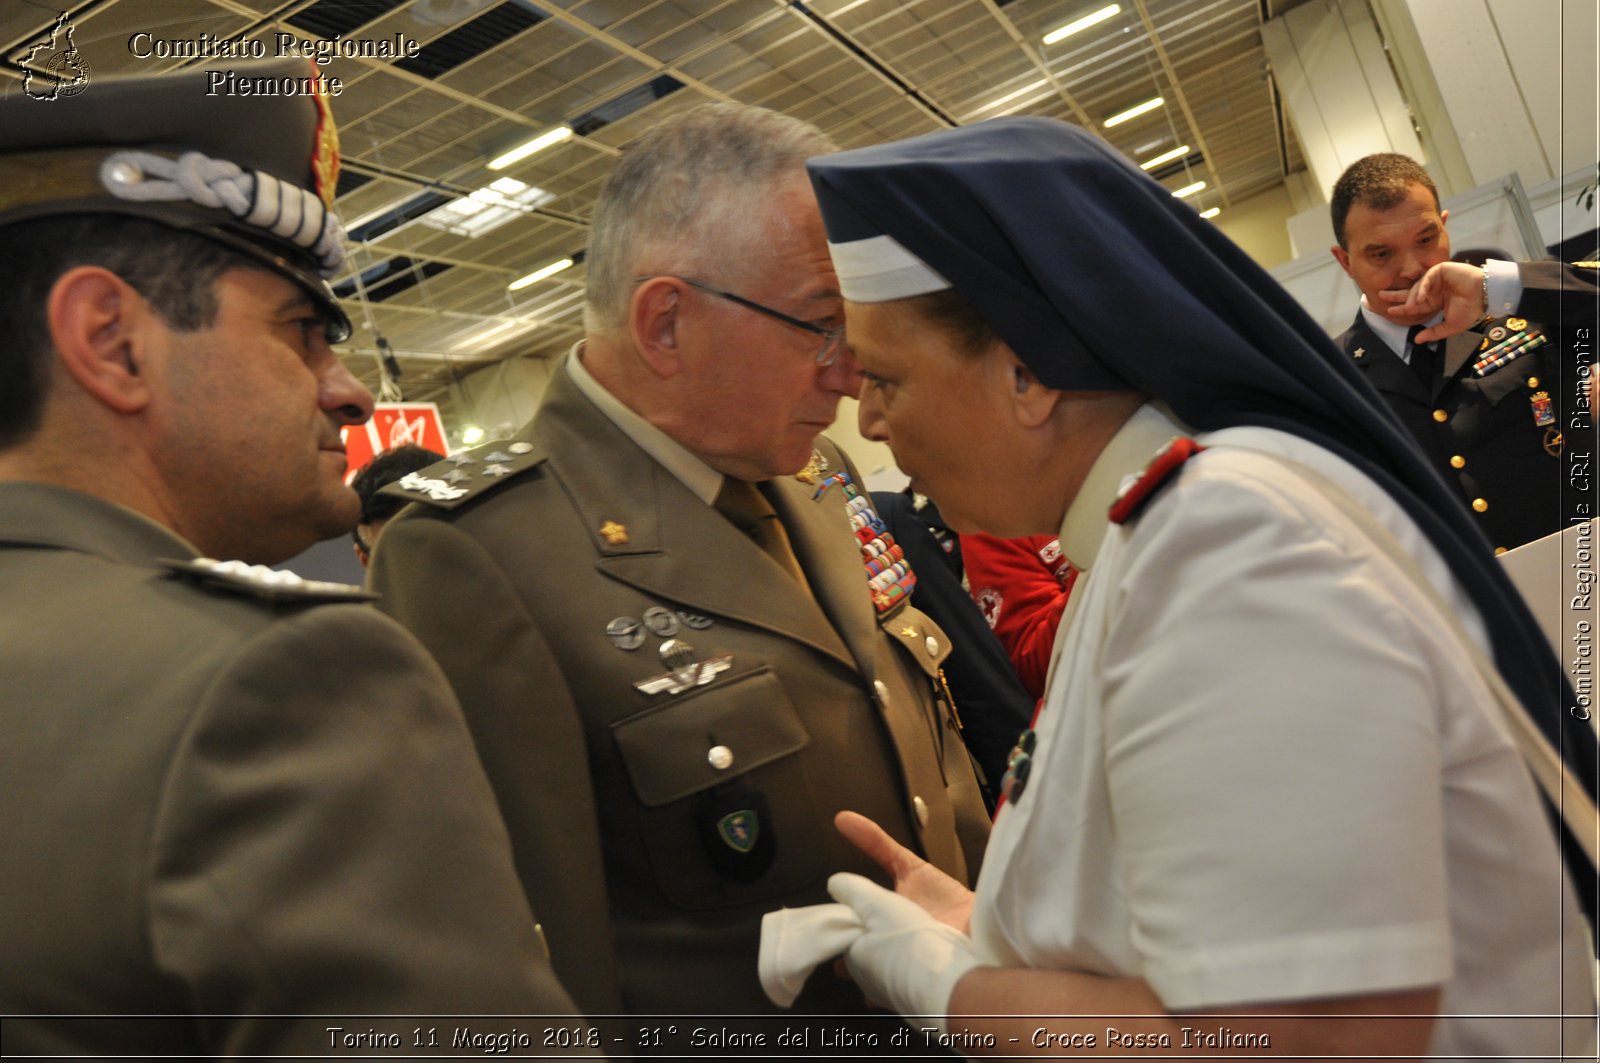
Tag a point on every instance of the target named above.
point(259, 581)
point(466, 474)
point(1168, 460)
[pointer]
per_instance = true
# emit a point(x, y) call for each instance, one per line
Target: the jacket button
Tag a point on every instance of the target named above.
point(1533, 381)
point(921, 808)
point(1458, 462)
point(1440, 416)
point(880, 688)
point(1479, 505)
point(720, 757)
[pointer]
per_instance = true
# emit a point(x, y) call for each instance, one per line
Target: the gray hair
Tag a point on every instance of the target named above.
point(691, 185)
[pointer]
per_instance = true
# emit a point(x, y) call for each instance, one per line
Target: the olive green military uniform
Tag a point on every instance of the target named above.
point(547, 579)
point(226, 800)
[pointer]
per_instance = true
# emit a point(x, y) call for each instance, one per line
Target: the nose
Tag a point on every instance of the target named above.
point(1412, 267)
point(346, 399)
point(869, 417)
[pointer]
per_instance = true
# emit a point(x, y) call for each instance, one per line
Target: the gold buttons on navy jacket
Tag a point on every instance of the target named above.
point(1457, 461)
point(1479, 505)
point(1440, 416)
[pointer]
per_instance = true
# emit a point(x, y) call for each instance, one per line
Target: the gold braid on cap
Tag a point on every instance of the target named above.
point(258, 199)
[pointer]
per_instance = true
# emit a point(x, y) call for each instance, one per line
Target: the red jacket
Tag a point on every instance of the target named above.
point(1022, 586)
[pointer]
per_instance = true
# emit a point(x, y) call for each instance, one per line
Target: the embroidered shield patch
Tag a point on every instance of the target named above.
point(739, 830)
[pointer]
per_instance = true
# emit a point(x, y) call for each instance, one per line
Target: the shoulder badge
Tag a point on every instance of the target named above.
point(466, 474)
point(259, 581)
point(1136, 492)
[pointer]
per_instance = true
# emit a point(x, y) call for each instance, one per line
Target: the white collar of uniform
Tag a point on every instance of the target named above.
point(696, 475)
point(1392, 332)
point(1083, 529)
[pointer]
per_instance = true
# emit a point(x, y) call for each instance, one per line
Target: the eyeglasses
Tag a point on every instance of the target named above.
point(832, 338)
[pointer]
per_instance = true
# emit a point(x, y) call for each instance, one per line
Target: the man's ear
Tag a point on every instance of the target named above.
point(99, 326)
point(653, 323)
point(1342, 257)
point(1033, 402)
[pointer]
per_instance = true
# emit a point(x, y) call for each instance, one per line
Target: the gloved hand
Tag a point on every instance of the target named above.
point(795, 940)
point(904, 957)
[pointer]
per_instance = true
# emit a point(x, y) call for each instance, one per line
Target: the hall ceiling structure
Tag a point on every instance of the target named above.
point(432, 264)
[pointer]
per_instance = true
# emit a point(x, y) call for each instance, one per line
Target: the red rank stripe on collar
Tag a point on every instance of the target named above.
point(1160, 469)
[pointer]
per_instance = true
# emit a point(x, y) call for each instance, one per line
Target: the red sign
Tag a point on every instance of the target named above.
point(393, 424)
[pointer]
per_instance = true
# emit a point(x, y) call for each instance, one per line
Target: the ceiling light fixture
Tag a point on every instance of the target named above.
point(1165, 156)
point(1134, 112)
point(499, 333)
point(1092, 19)
point(539, 274)
point(488, 208)
point(1189, 190)
point(1032, 86)
point(538, 143)
point(1212, 213)
point(472, 435)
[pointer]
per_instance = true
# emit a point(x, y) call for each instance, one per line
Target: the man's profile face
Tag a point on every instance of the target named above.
point(759, 398)
point(250, 441)
point(1393, 248)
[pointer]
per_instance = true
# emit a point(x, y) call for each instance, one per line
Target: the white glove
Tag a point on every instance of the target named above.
point(905, 957)
point(795, 940)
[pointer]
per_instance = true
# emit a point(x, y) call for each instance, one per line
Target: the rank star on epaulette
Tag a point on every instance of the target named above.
point(614, 534)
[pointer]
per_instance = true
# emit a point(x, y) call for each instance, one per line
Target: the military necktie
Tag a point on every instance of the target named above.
point(744, 504)
point(1424, 357)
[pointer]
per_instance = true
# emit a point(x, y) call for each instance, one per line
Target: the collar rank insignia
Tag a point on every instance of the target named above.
point(614, 534)
point(1168, 460)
